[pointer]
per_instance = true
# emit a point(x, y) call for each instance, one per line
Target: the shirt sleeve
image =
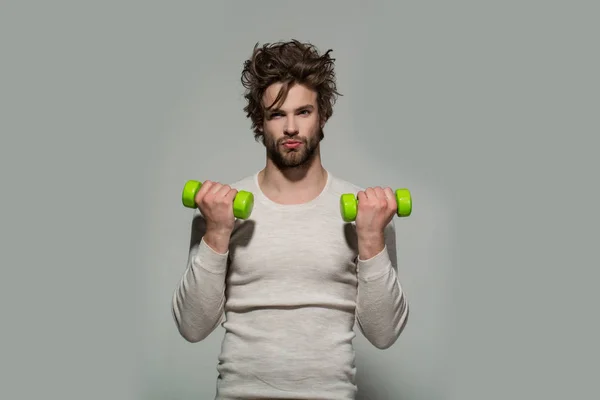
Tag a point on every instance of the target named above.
point(199, 298)
point(382, 308)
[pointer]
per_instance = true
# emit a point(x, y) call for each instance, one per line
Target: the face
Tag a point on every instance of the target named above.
point(292, 131)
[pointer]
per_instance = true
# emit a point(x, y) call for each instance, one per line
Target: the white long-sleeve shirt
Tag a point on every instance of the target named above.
point(288, 293)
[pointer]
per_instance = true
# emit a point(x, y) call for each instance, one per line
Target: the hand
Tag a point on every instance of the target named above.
point(376, 208)
point(215, 201)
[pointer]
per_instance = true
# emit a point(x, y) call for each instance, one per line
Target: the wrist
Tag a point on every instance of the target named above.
point(218, 240)
point(370, 244)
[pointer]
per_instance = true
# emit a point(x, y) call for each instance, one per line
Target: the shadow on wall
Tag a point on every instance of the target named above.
point(370, 383)
point(370, 387)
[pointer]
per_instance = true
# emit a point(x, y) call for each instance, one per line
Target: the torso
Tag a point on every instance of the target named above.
point(290, 300)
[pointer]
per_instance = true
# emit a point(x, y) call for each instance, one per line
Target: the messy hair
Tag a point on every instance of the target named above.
point(287, 63)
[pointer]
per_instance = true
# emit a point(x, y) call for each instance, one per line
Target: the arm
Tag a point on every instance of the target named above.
point(197, 304)
point(382, 307)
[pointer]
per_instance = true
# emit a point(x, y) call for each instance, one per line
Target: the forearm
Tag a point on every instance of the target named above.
point(382, 308)
point(199, 298)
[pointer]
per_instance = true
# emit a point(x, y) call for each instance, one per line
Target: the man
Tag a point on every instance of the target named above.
point(291, 281)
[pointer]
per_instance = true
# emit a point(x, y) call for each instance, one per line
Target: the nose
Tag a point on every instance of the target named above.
point(290, 128)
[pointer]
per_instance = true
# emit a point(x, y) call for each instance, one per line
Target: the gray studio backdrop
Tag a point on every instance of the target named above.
point(487, 111)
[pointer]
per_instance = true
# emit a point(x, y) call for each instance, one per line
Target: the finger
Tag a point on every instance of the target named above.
point(204, 189)
point(215, 189)
point(382, 200)
point(377, 197)
point(391, 198)
point(388, 193)
point(361, 196)
point(370, 193)
point(222, 191)
point(228, 193)
point(379, 192)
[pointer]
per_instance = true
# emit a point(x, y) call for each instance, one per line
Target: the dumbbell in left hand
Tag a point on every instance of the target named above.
point(349, 205)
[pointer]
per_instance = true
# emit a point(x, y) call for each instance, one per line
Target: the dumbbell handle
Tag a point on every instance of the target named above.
point(349, 205)
point(242, 204)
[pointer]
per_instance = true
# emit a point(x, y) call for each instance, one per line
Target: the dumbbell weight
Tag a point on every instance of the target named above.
point(242, 204)
point(349, 205)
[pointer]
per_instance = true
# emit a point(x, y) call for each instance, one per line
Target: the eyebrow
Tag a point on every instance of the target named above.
point(304, 107)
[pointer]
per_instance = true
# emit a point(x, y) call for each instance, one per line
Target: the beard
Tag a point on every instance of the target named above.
point(292, 158)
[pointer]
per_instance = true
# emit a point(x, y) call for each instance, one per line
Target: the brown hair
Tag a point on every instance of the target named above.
point(288, 63)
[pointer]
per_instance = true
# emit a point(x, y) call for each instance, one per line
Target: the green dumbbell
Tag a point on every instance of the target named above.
point(242, 204)
point(349, 205)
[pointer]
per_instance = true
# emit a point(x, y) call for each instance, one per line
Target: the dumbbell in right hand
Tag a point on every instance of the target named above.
point(242, 204)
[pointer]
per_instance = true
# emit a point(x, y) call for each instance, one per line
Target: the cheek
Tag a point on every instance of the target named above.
point(273, 127)
point(268, 130)
point(309, 124)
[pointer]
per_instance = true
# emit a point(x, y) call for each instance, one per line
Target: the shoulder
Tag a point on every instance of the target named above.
point(246, 183)
point(339, 185)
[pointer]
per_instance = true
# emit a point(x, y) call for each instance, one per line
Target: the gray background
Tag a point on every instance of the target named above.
point(487, 111)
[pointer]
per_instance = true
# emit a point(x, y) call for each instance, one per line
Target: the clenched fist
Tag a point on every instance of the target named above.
point(376, 208)
point(215, 201)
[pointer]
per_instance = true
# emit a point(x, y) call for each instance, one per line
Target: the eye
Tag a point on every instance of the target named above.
point(304, 112)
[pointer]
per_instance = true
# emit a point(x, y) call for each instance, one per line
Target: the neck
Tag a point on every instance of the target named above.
point(293, 185)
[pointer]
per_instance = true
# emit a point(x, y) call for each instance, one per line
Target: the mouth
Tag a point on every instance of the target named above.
point(292, 144)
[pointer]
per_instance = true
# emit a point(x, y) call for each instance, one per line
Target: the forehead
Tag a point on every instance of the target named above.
point(297, 96)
